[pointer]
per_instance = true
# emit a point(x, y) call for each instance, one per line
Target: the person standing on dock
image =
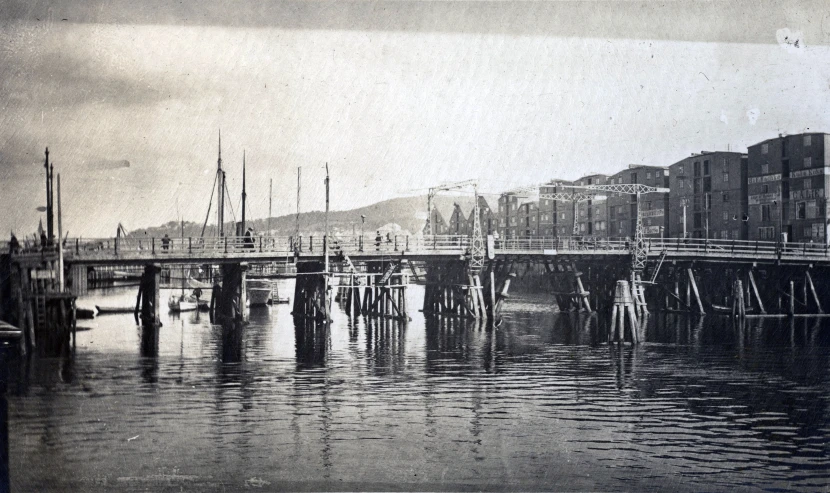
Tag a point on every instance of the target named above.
point(378, 239)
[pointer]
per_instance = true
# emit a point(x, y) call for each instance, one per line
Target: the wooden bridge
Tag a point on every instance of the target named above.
point(130, 251)
point(695, 276)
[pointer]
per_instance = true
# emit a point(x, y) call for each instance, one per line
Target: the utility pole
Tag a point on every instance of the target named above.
point(270, 198)
point(297, 230)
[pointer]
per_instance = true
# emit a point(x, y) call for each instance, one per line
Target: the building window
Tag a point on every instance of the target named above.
point(766, 188)
point(817, 230)
point(707, 201)
point(680, 170)
point(726, 177)
point(648, 175)
point(612, 212)
point(725, 216)
point(801, 210)
point(808, 162)
point(764, 148)
point(563, 215)
point(808, 140)
point(808, 183)
point(766, 233)
point(696, 167)
point(765, 212)
point(726, 196)
point(765, 168)
point(706, 168)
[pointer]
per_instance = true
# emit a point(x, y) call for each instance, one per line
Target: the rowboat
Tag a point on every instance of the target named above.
point(106, 310)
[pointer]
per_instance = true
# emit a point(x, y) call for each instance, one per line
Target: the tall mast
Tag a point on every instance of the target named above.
point(49, 199)
point(270, 198)
point(244, 195)
point(220, 206)
point(327, 239)
point(297, 231)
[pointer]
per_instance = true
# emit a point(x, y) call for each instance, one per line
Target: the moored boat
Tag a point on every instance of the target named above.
point(182, 304)
point(105, 310)
point(259, 296)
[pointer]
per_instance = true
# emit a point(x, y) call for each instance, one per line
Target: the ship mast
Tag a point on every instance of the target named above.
point(220, 180)
point(244, 195)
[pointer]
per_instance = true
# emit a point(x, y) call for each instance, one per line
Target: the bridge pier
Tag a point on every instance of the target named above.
point(453, 289)
point(228, 301)
point(30, 299)
point(312, 293)
point(147, 301)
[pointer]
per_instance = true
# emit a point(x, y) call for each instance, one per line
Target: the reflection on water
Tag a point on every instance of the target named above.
point(542, 402)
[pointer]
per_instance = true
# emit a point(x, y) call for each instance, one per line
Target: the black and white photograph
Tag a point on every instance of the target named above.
point(414, 245)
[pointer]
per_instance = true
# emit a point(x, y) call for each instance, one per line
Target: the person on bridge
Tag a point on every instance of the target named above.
point(249, 239)
point(165, 242)
point(14, 245)
point(378, 240)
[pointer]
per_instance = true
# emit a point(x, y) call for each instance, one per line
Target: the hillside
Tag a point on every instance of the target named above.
point(405, 214)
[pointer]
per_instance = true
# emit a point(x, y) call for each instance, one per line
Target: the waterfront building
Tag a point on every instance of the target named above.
point(458, 222)
point(555, 217)
point(592, 215)
point(439, 225)
point(488, 220)
point(787, 183)
point(528, 218)
point(510, 225)
point(708, 197)
point(654, 207)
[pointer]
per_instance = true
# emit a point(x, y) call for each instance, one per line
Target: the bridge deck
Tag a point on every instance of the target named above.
point(112, 251)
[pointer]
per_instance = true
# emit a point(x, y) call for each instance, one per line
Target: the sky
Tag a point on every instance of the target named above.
point(395, 96)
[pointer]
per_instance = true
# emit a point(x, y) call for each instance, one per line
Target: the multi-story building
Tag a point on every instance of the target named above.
point(458, 222)
point(708, 197)
point(592, 215)
point(510, 225)
point(787, 183)
point(488, 220)
point(555, 217)
point(439, 226)
point(528, 219)
point(622, 208)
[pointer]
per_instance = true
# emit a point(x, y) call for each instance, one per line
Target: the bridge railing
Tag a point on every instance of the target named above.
point(397, 244)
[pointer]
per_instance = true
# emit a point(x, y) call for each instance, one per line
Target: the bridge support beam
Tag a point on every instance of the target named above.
point(79, 278)
point(229, 301)
point(312, 293)
point(452, 289)
point(147, 302)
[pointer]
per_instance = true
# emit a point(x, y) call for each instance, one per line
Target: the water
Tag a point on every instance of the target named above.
point(542, 403)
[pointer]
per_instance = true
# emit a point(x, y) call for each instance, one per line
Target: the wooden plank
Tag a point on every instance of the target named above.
point(813, 292)
point(696, 292)
point(755, 291)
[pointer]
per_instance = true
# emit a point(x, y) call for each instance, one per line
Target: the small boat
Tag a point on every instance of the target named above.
point(84, 314)
point(259, 296)
point(106, 310)
point(728, 309)
point(182, 304)
point(9, 331)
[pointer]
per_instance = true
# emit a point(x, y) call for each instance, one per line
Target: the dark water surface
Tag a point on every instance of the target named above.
point(541, 403)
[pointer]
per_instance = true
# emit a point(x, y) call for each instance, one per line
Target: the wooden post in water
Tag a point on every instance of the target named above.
point(623, 305)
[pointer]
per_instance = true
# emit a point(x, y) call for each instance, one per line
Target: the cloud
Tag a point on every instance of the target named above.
point(741, 21)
